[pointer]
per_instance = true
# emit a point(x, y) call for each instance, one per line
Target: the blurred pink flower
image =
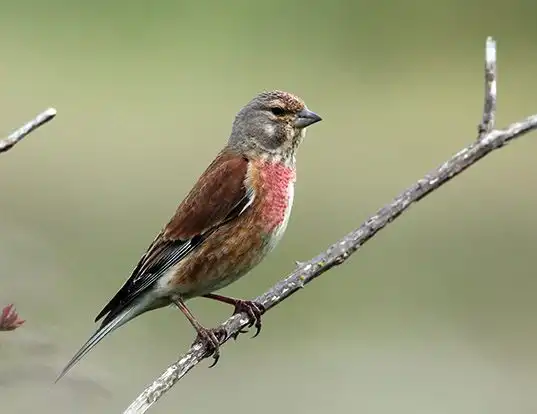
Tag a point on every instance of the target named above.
point(9, 319)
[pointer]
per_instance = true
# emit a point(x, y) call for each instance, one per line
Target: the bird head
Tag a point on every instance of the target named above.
point(272, 126)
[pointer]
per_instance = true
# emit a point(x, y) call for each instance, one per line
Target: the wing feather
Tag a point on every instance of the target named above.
point(220, 195)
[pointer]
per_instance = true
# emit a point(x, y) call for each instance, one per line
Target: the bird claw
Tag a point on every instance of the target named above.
point(211, 339)
point(236, 334)
point(254, 310)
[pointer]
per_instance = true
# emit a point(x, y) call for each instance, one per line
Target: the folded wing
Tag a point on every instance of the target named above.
point(220, 195)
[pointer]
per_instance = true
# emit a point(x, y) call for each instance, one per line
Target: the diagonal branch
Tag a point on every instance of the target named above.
point(488, 141)
point(15, 137)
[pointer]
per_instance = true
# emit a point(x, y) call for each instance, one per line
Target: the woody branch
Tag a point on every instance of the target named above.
point(9, 319)
point(16, 136)
point(488, 140)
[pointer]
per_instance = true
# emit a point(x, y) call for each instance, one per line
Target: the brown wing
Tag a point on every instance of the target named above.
point(220, 195)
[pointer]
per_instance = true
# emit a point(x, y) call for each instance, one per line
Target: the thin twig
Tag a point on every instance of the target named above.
point(16, 136)
point(341, 250)
point(489, 110)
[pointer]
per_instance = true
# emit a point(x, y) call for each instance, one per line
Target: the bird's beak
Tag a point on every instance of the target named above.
point(306, 118)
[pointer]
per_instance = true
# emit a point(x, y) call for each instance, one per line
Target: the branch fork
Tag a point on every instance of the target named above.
point(488, 140)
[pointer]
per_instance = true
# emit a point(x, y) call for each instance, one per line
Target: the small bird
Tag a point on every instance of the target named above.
point(234, 215)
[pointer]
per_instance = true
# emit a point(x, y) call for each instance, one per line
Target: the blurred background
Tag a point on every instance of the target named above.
point(435, 315)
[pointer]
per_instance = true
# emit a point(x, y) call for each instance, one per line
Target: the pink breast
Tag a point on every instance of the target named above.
point(274, 192)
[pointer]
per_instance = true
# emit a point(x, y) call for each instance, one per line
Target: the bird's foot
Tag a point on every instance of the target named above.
point(254, 310)
point(211, 339)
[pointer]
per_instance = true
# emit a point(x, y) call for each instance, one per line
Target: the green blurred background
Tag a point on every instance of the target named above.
point(435, 315)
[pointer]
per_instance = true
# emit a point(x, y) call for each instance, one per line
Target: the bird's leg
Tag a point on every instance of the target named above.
point(208, 336)
point(253, 309)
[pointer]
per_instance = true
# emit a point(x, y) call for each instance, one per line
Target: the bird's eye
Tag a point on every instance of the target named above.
point(276, 110)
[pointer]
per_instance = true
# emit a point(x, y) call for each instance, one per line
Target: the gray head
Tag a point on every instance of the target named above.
point(271, 125)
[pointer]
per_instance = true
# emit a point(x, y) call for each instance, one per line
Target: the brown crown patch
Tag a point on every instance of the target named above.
point(290, 102)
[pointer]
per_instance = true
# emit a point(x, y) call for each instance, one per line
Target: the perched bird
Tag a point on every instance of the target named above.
point(233, 216)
